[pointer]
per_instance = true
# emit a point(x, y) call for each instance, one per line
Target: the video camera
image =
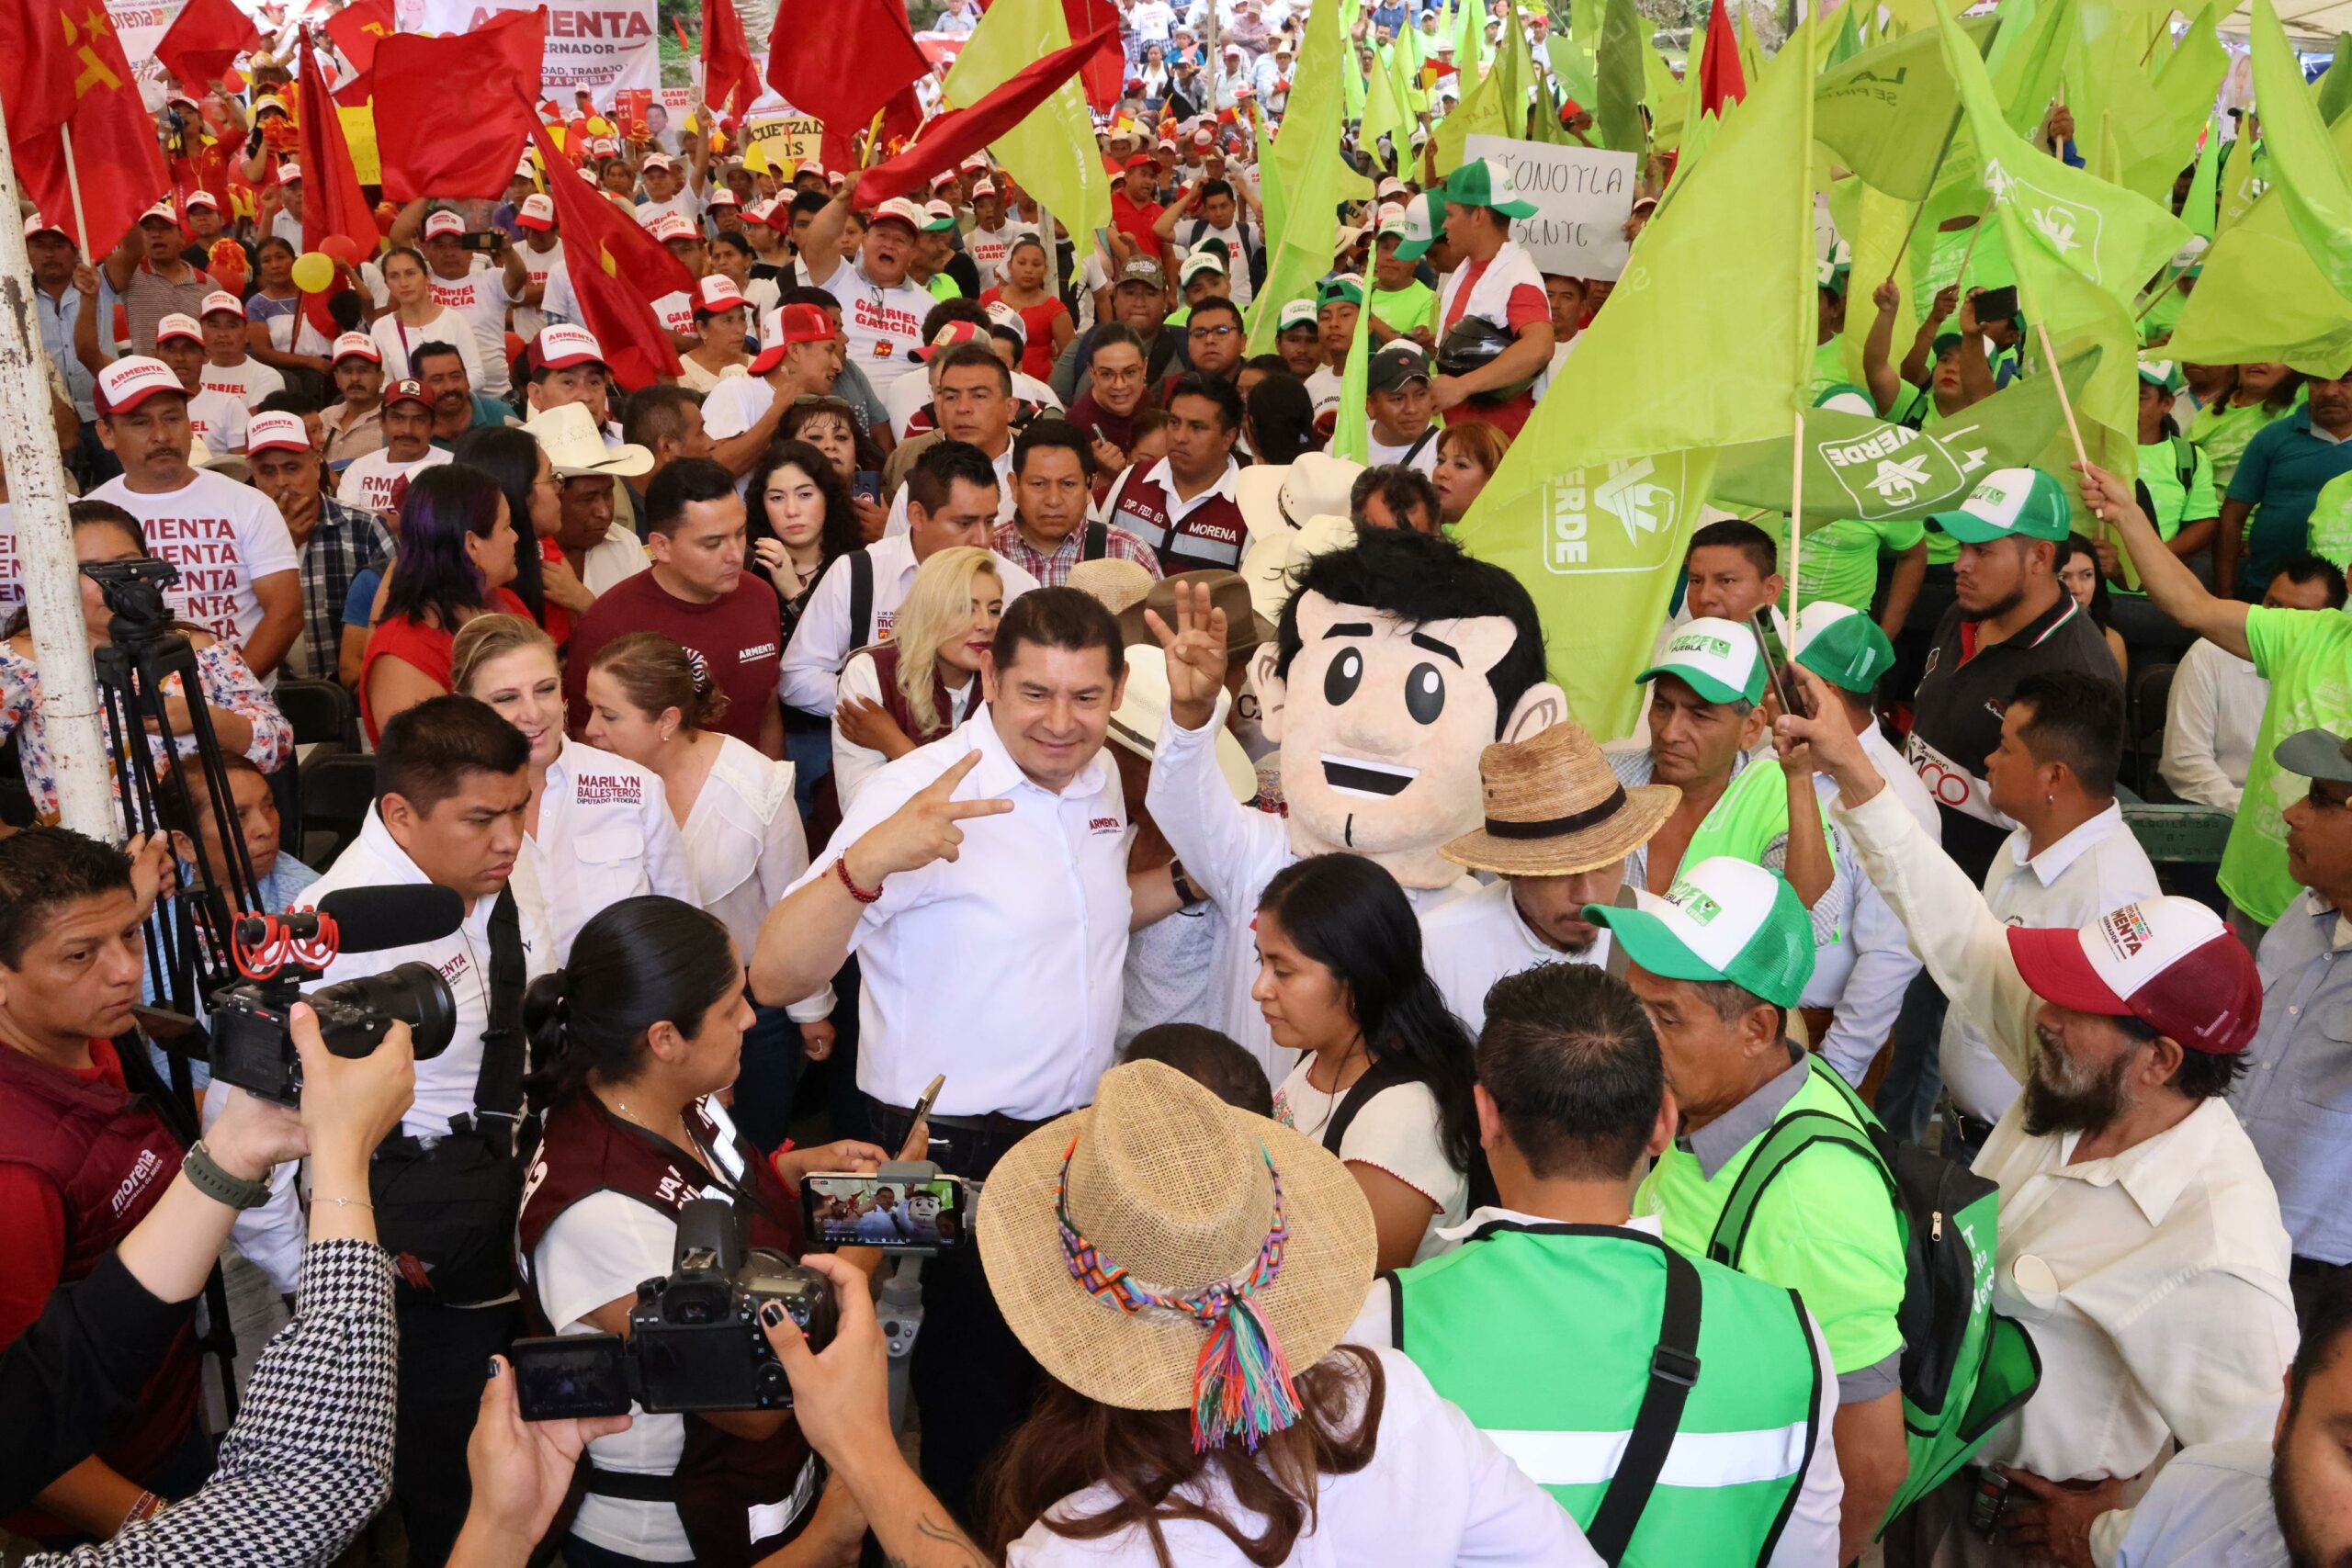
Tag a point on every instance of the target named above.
point(278, 953)
point(695, 1340)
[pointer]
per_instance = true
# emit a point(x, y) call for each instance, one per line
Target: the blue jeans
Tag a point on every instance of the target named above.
point(764, 1084)
point(811, 752)
point(1907, 1096)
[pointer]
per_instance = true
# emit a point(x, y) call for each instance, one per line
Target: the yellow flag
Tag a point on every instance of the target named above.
point(1052, 152)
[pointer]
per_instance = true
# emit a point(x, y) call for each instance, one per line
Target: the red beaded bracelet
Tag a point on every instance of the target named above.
point(841, 869)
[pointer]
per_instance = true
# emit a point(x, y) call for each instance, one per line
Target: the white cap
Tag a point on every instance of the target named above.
point(223, 300)
point(1715, 658)
point(658, 161)
point(537, 211)
point(290, 173)
point(905, 211)
point(444, 222)
point(36, 224)
point(670, 226)
point(354, 345)
point(277, 431)
point(196, 198)
point(131, 380)
point(1297, 313)
point(561, 346)
point(1199, 261)
point(179, 326)
point(983, 188)
point(717, 293)
point(1005, 316)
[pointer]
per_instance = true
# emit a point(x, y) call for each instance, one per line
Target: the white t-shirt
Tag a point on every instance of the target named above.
point(249, 382)
point(541, 267)
point(735, 405)
point(1151, 19)
point(1437, 1493)
point(1395, 1131)
point(685, 204)
point(480, 298)
point(883, 325)
point(375, 482)
point(676, 311)
point(1425, 460)
point(396, 339)
point(218, 421)
point(1324, 388)
point(223, 537)
point(989, 247)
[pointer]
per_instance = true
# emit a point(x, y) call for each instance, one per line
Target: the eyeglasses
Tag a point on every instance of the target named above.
point(1134, 374)
point(1226, 331)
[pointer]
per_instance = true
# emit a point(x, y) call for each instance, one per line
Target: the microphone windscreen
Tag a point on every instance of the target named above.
point(370, 920)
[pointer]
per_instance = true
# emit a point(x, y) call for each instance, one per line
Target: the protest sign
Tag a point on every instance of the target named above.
point(598, 46)
point(1582, 198)
point(785, 140)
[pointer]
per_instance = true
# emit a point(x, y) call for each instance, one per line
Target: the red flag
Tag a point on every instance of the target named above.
point(842, 61)
point(37, 72)
point(114, 146)
point(730, 79)
point(679, 25)
point(205, 40)
point(1720, 82)
point(358, 28)
point(333, 202)
point(616, 269)
point(1104, 71)
point(953, 137)
point(447, 121)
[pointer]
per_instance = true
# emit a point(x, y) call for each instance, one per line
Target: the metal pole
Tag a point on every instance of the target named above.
point(45, 536)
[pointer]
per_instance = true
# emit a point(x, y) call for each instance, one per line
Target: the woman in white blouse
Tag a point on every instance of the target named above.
point(597, 829)
point(926, 681)
point(414, 320)
point(653, 703)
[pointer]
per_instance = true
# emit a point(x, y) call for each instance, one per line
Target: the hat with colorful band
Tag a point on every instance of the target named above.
point(1297, 313)
point(1842, 646)
point(1345, 289)
point(1487, 182)
point(1725, 919)
point(2170, 963)
point(2009, 504)
point(1715, 658)
point(1422, 226)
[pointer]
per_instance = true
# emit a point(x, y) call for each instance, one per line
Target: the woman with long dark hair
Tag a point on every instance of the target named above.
point(516, 462)
point(456, 557)
point(1279, 419)
point(829, 424)
point(801, 520)
point(636, 1037)
point(2079, 575)
point(1340, 977)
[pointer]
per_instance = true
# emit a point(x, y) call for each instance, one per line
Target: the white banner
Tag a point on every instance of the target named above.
point(601, 46)
point(1582, 197)
point(141, 26)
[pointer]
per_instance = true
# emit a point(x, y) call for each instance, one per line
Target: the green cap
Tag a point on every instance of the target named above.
point(1842, 646)
point(1422, 226)
point(2010, 504)
point(1295, 313)
point(1725, 919)
point(1345, 289)
point(1487, 182)
point(1833, 271)
point(2165, 373)
point(1715, 658)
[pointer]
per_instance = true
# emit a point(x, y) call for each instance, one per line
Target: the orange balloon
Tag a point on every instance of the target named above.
point(338, 248)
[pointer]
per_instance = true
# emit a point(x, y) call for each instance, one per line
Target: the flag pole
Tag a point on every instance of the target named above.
point(45, 537)
point(74, 184)
point(2065, 403)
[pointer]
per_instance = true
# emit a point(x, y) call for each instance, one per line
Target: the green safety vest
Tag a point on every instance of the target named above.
point(1747, 1429)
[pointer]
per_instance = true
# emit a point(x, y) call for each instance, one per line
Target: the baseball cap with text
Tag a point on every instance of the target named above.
point(1715, 658)
point(562, 345)
point(2009, 504)
point(537, 212)
point(277, 433)
point(131, 380)
point(354, 345)
point(176, 325)
point(1725, 919)
point(2170, 963)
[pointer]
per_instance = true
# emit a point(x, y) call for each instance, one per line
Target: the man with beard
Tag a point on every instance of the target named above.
point(2140, 1239)
point(2287, 1501)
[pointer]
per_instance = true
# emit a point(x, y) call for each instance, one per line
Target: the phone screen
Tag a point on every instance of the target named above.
point(845, 1210)
point(570, 1374)
point(867, 483)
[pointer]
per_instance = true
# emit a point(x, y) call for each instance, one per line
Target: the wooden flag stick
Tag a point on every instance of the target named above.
point(2065, 403)
point(74, 184)
point(1796, 519)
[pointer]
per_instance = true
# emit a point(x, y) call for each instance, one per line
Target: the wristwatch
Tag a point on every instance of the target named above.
point(204, 1173)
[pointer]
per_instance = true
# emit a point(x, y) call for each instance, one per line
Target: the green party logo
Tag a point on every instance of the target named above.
point(1621, 518)
point(1693, 901)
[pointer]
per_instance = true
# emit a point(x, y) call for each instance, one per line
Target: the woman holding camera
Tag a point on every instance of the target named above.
point(638, 1035)
point(243, 716)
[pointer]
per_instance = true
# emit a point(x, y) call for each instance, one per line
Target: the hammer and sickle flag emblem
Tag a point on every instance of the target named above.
point(82, 37)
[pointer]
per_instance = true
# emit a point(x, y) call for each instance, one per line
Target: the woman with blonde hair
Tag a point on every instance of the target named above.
point(597, 828)
point(654, 703)
point(1467, 455)
point(924, 682)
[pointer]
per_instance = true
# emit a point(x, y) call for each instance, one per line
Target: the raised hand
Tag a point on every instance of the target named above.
point(1195, 648)
point(922, 831)
point(1887, 295)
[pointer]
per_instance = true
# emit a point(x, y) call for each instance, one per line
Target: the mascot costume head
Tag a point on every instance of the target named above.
point(1396, 662)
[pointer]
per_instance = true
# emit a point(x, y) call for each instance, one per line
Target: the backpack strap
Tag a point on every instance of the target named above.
point(1674, 1367)
point(1415, 449)
point(1097, 542)
point(2184, 460)
point(861, 598)
point(1386, 1072)
point(1789, 1137)
point(498, 1086)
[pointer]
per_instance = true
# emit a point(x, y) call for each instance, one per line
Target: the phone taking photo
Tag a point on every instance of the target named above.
point(1794, 698)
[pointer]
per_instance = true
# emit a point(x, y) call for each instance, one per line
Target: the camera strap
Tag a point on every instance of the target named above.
point(498, 1090)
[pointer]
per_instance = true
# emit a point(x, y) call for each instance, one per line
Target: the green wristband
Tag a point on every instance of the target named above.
point(204, 1174)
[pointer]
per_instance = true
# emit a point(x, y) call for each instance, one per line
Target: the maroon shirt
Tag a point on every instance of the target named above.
point(740, 635)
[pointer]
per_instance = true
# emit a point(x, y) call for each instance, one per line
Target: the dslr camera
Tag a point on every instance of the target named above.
point(253, 1048)
point(695, 1340)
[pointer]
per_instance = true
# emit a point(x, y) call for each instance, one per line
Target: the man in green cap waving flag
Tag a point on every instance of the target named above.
point(1494, 328)
point(1719, 963)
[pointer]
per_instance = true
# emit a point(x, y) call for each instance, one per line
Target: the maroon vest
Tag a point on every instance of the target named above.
point(585, 1150)
point(1212, 535)
point(109, 1156)
point(894, 700)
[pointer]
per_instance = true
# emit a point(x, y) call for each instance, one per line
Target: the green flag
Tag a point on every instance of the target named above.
point(1383, 115)
point(1875, 225)
point(1617, 111)
point(1481, 112)
point(1888, 112)
point(1306, 165)
point(1351, 430)
point(1270, 184)
point(1052, 152)
point(2205, 185)
point(1849, 39)
point(1704, 343)
point(2241, 184)
point(1516, 69)
point(2333, 89)
point(2310, 178)
point(1663, 94)
point(1574, 66)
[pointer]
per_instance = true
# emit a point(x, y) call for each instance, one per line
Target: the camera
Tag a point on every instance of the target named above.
point(695, 1340)
point(253, 1049)
point(133, 592)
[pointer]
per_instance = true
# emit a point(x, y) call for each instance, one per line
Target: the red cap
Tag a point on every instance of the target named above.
point(2168, 962)
point(1143, 161)
point(794, 324)
point(408, 391)
point(131, 380)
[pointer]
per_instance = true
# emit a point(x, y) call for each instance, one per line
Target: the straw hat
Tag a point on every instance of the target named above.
point(1168, 1192)
point(1117, 584)
point(1555, 808)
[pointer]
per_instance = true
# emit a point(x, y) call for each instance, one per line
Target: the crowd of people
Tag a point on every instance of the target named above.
point(969, 723)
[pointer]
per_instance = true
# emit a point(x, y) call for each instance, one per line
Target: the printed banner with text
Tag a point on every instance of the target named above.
point(1582, 198)
point(599, 45)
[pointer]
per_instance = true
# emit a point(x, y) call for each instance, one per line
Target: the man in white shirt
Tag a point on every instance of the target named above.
point(377, 481)
point(452, 785)
point(215, 418)
point(740, 414)
point(239, 577)
point(531, 265)
point(2217, 698)
point(951, 499)
point(1557, 830)
point(882, 313)
point(1008, 839)
point(972, 399)
point(2140, 1239)
point(1403, 414)
point(669, 192)
point(993, 233)
point(2070, 859)
point(465, 282)
point(228, 367)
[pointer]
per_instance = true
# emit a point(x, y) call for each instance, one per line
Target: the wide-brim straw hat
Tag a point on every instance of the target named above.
point(1170, 1184)
point(1555, 808)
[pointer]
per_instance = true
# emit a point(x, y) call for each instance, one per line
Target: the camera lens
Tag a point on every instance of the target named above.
point(413, 993)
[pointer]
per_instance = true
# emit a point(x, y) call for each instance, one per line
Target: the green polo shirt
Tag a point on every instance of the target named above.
point(1839, 561)
point(2284, 469)
point(1824, 1228)
point(2222, 433)
point(2306, 655)
point(1415, 305)
point(2176, 503)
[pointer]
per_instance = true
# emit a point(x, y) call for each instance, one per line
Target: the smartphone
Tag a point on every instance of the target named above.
point(1997, 304)
point(1793, 697)
point(567, 1375)
point(486, 241)
point(930, 1098)
point(843, 1209)
point(867, 483)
